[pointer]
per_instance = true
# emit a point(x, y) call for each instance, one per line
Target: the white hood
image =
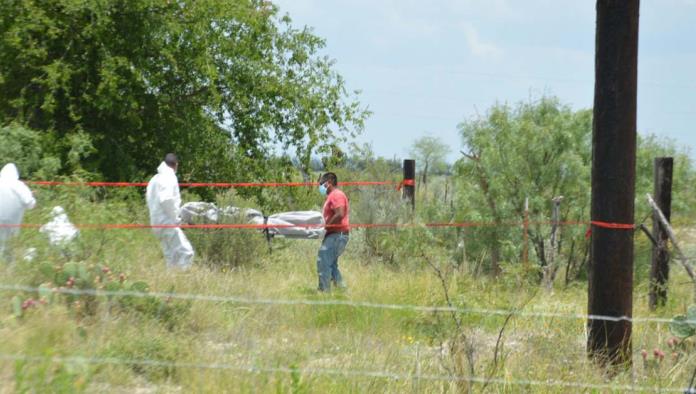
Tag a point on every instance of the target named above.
point(164, 169)
point(15, 197)
point(9, 173)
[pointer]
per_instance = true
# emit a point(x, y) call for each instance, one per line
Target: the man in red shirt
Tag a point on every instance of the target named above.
point(337, 224)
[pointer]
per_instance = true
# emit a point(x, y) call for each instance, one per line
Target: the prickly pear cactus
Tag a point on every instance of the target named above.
point(46, 292)
point(684, 326)
point(83, 287)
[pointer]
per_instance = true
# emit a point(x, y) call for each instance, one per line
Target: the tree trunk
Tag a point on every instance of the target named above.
point(490, 201)
point(554, 244)
point(425, 182)
point(495, 241)
point(613, 180)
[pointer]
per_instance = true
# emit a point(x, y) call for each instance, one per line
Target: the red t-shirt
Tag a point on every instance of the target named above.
point(336, 199)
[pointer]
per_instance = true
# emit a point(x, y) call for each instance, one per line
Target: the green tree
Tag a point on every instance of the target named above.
point(541, 150)
point(224, 83)
point(536, 150)
point(683, 176)
point(429, 153)
point(24, 147)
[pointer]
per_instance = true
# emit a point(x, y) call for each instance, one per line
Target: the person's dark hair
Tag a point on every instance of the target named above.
point(171, 160)
point(330, 177)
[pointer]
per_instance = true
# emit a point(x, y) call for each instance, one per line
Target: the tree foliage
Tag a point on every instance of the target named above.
point(536, 150)
point(683, 177)
point(540, 150)
point(224, 83)
point(429, 153)
point(24, 148)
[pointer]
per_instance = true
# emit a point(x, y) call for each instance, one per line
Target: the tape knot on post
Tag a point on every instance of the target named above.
point(406, 182)
point(609, 225)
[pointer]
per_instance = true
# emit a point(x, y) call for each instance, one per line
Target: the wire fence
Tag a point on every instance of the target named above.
point(399, 185)
point(346, 303)
point(346, 373)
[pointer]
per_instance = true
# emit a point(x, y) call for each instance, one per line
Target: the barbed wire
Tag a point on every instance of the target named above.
point(350, 373)
point(355, 304)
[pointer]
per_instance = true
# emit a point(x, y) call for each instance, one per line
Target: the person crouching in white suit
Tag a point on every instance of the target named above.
point(164, 203)
point(15, 198)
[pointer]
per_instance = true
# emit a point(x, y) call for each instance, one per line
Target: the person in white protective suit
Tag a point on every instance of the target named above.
point(164, 203)
point(15, 198)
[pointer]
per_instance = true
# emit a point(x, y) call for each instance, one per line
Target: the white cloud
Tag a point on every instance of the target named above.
point(477, 46)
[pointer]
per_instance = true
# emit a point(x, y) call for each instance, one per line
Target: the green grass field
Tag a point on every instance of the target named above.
point(223, 346)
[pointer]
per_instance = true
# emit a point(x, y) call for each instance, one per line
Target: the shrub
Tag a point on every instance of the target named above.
point(24, 147)
point(228, 248)
point(684, 326)
point(36, 153)
point(377, 207)
point(374, 204)
point(91, 277)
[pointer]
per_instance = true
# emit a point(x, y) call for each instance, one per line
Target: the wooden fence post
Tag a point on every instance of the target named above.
point(672, 237)
point(409, 182)
point(659, 270)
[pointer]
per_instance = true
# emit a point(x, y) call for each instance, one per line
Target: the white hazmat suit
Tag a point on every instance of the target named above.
point(61, 232)
point(164, 203)
point(15, 197)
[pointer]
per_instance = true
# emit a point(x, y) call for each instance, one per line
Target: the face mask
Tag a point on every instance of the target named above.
point(322, 189)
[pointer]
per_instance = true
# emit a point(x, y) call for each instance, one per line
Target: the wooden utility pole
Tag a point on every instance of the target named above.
point(613, 180)
point(409, 182)
point(659, 271)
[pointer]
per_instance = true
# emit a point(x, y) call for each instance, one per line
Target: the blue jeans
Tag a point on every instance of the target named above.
point(331, 248)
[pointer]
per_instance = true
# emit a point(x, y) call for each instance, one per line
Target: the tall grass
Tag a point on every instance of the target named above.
point(310, 340)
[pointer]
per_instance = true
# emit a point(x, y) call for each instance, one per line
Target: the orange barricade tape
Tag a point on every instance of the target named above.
point(406, 182)
point(619, 226)
point(609, 225)
point(209, 184)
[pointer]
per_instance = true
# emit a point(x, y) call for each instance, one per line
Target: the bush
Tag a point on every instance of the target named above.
point(91, 277)
point(379, 206)
point(376, 205)
point(229, 248)
point(24, 147)
point(36, 153)
point(684, 326)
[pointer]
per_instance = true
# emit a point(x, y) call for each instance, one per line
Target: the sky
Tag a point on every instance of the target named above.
point(424, 67)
